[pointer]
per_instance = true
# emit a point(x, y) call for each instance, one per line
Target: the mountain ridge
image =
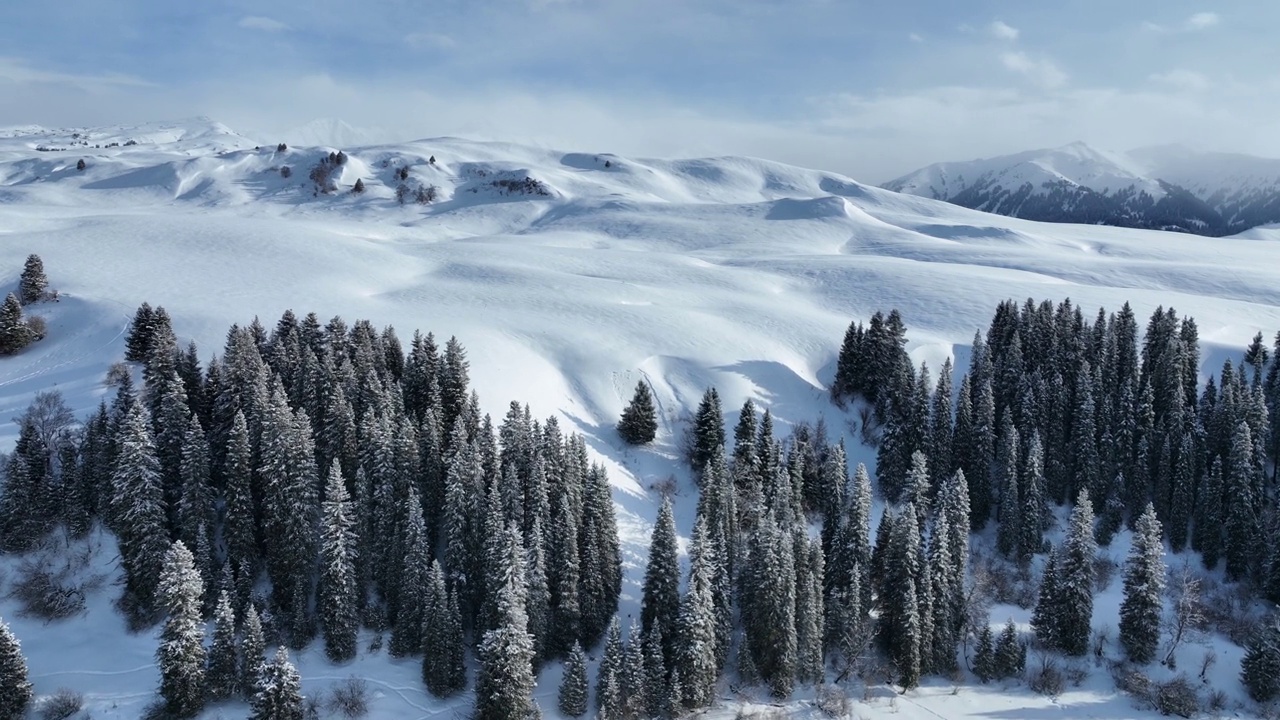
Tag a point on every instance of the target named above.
point(1156, 187)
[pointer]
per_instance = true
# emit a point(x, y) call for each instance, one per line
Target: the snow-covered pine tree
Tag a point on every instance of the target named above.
point(1009, 533)
point(138, 507)
point(505, 683)
point(697, 628)
point(279, 691)
point(337, 601)
point(941, 428)
point(810, 610)
point(848, 380)
point(253, 652)
point(1144, 574)
point(901, 624)
point(1045, 618)
point(1031, 535)
point(1260, 668)
point(221, 678)
point(15, 688)
point(660, 603)
point(631, 677)
point(196, 518)
point(639, 423)
point(33, 283)
point(984, 658)
point(414, 581)
point(1074, 583)
point(572, 697)
point(181, 655)
point(1010, 657)
point(15, 334)
point(240, 528)
point(290, 506)
point(564, 573)
point(600, 581)
point(1239, 503)
point(539, 604)
point(609, 673)
point(708, 430)
point(655, 675)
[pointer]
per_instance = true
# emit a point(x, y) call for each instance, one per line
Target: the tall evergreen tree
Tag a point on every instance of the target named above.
point(221, 678)
point(15, 688)
point(138, 509)
point(901, 624)
point(181, 655)
point(1239, 504)
point(253, 653)
point(15, 334)
point(697, 641)
point(639, 423)
point(337, 592)
point(572, 698)
point(708, 430)
point(1075, 579)
point(279, 691)
point(406, 633)
point(505, 684)
point(33, 283)
point(1140, 612)
point(1260, 668)
point(660, 604)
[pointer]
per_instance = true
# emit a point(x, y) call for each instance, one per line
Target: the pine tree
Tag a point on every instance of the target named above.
point(1140, 612)
point(655, 675)
point(181, 655)
point(609, 673)
point(221, 677)
point(1260, 668)
point(279, 691)
point(902, 625)
point(1239, 503)
point(708, 431)
point(632, 676)
point(253, 649)
point(33, 282)
point(1045, 620)
point(138, 509)
point(337, 600)
point(660, 604)
point(15, 688)
point(406, 633)
point(697, 640)
point(639, 423)
point(572, 698)
point(505, 684)
point(1009, 533)
point(984, 659)
point(1010, 657)
point(1075, 579)
point(14, 331)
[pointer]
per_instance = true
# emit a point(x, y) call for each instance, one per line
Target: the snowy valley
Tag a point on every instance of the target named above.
point(572, 277)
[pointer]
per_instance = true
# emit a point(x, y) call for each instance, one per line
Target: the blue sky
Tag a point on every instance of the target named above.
point(872, 89)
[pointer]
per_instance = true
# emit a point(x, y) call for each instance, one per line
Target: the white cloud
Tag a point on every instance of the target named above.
point(1197, 22)
point(915, 38)
point(258, 22)
point(1179, 79)
point(16, 71)
point(430, 41)
point(1002, 31)
point(1041, 71)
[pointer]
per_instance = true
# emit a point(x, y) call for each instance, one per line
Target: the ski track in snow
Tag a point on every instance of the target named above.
point(732, 272)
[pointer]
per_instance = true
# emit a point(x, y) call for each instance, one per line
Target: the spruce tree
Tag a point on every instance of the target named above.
point(984, 658)
point(1239, 504)
point(505, 684)
point(279, 691)
point(1260, 668)
point(253, 653)
point(1045, 619)
point(1010, 657)
point(138, 509)
point(1144, 574)
point(1075, 579)
point(902, 625)
point(697, 642)
point(660, 603)
point(708, 430)
point(181, 655)
point(221, 677)
point(632, 675)
point(15, 688)
point(609, 673)
point(572, 698)
point(639, 423)
point(14, 331)
point(406, 633)
point(337, 601)
point(33, 282)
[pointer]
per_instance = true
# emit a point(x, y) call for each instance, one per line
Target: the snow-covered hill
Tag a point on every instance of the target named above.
point(565, 289)
point(1164, 187)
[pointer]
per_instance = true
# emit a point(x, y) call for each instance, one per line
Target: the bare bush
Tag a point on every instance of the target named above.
point(286, 172)
point(117, 374)
point(833, 701)
point(61, 705)
point(1207, 661)
point(37, 327)
point(1184, 614)
point(313, 705)
point(1046, 676)
point(350, 699)
point(46, 594)
point(1216, 701)
point(870, 433)
point(1104, 572)
point(1227, 609)
point(666, 487)
point(1176, 697)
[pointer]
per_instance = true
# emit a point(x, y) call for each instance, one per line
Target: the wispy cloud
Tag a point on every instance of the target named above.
point(1003, 31)
point(1195, 23)
point(430, 41)
point(1041, 71)
point(1189, 80)
point(915, 38)
point(18, 72)
point(265, 24)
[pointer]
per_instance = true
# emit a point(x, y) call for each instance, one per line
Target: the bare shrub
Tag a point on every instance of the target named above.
point(118, 373)
point(286, 172)
point(1075, 673)
point(1207, 661)
point(313, 705)
point(61, 705)
point(1011, 584)
point(1185, 614)
point(1227, 610)
point(761, 713)
point(833, 701)
point(37, 326)
point(46, 594)
point(1046, 676)
point(870, 433)
point(1176, 697)
point(665, 487)
point(1216, 701)
point(350, 699)
point(1104, 572)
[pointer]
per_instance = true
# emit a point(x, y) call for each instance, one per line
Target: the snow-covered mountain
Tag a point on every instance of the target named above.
point(1162, 187)
point(569, 277)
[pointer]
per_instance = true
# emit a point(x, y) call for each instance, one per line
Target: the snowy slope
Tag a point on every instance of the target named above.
point(733, 272)
point(1164, 187)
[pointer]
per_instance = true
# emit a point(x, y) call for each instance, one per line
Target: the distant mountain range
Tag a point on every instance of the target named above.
point(1161, 188)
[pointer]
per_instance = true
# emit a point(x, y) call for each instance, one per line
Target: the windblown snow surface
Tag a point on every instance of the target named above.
point(736, 273)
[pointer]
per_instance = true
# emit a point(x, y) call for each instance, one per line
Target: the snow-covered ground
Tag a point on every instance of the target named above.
point(733, 272)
